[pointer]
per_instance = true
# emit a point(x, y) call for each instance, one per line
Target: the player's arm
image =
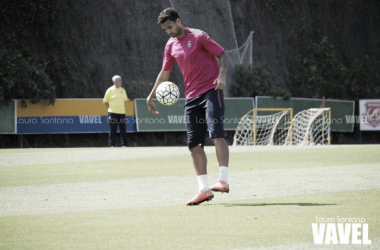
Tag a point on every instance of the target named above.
point(223, 66)
point(162, 77)
point(215, 49)
point(106, 99)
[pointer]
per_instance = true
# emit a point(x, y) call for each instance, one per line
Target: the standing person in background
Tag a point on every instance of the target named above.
point(195, 52)
point(115, 100)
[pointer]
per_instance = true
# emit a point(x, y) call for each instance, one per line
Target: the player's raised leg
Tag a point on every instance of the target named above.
point(214, 116)
point(222, 154)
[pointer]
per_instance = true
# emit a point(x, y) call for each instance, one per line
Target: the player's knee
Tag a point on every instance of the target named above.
point(196, 148)
point(218, 140)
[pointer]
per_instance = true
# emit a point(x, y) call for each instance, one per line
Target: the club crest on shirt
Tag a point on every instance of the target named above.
point(189, 44)
point(208, 37)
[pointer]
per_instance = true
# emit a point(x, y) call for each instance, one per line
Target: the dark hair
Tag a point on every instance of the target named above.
point(167, 14)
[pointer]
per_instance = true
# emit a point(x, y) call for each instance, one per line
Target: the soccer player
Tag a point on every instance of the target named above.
point(115, 100)
point(195, 52)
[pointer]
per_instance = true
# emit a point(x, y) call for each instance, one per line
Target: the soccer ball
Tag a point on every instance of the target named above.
point(167, 93)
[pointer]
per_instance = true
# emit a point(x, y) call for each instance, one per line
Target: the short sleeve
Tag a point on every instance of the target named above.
point(107, 96)
point(168, 60)
point(210, 45)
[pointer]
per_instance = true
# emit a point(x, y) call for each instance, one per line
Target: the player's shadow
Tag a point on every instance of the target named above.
point(252, 204)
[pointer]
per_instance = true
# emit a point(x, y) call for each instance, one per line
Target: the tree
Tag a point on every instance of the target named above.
point(32, 62)
point(250, 81)
point(317, 72)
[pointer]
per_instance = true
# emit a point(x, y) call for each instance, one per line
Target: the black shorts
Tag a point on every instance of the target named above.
point(204, 112)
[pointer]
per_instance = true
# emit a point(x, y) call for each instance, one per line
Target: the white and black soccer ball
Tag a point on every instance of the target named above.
point(167, 93)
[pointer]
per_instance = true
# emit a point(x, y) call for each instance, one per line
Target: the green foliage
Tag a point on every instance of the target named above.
point(317, 72)
point(32, 62)
point(363, 81)
point(250, 81)
point(138, 89)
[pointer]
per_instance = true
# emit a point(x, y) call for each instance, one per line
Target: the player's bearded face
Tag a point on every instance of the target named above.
point(171, 28)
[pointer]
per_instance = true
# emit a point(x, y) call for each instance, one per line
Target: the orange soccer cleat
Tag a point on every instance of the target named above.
point(221, 186)
point(200, 197)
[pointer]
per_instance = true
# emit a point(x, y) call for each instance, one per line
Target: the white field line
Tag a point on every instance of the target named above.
point(176, 190)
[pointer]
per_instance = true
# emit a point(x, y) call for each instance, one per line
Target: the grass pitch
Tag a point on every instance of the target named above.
point(133, 198)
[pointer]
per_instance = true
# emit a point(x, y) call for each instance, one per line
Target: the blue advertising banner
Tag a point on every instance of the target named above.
point(68, 124)
point(68, 116)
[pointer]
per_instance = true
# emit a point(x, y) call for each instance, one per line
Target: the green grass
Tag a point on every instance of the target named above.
point(227, 224)
point(165, 164)
point(264, 222)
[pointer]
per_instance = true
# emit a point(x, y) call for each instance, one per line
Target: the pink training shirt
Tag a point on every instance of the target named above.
point(195, 54)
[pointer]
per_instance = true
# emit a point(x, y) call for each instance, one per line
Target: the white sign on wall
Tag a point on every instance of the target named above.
point(370, 114)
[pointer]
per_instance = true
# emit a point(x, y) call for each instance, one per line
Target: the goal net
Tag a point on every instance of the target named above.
point(277, 127)
point(264, 127)
point(311, 127)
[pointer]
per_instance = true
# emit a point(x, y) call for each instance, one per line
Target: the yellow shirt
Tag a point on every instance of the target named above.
point(116, 98)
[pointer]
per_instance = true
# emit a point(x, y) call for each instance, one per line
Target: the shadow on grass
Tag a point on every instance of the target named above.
point(274, 204)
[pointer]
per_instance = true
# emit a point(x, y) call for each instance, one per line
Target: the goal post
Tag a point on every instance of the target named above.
point(312, 127)
point(275, 126)
point(264, 126)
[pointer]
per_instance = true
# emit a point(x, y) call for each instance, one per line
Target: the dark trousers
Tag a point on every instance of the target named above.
point(115, 120)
